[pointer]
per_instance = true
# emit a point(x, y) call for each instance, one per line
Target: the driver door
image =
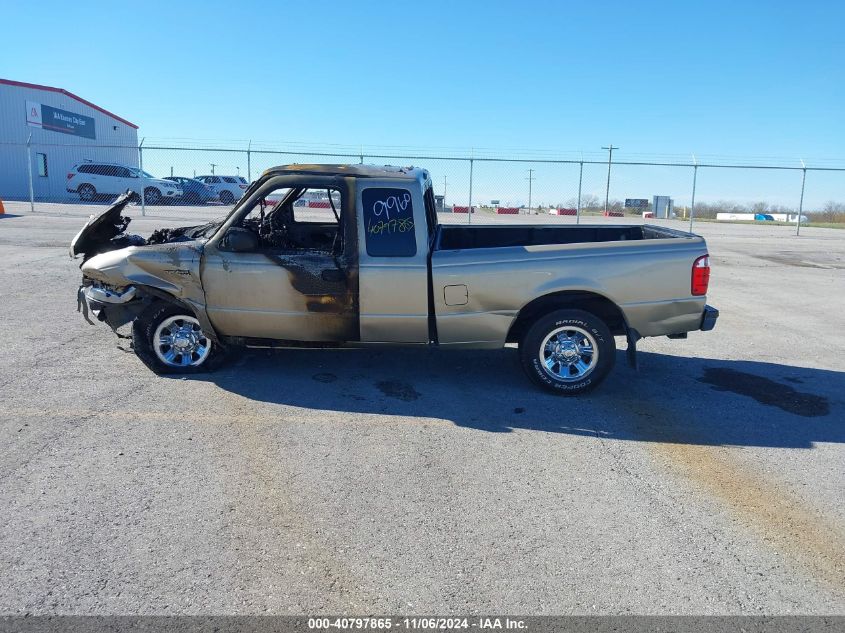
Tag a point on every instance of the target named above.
point(298, 283)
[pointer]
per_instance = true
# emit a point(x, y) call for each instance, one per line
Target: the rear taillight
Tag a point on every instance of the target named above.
point(700, 275)
point(70, 175)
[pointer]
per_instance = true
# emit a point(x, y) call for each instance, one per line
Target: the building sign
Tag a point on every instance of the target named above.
point(636, 203)
point(56, 120)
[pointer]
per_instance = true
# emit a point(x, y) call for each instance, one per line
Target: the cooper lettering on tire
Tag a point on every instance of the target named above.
point(567, 351)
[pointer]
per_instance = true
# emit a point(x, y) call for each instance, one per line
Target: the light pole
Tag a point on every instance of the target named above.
point(609, 149)
point(530, 180)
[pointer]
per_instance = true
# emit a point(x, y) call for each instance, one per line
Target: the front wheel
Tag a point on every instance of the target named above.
point(568, 352)
point(226, 197)
point(169, 339)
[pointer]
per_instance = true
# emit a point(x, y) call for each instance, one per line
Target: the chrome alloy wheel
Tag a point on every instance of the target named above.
point(569, 353)
point(179, 342)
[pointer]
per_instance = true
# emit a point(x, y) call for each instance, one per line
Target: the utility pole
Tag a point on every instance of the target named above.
point(609, 149)
point(213, 165)
point(694, 180)
point(801, 203)
point(530, 180)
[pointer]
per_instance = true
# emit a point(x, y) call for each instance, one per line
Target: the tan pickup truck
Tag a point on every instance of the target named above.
point(353, 255)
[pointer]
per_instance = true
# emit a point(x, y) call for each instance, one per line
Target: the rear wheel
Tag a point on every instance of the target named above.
point(226, 197)
point(169, 339)
point(152, 195)
point(568, 352)
point(86, 192)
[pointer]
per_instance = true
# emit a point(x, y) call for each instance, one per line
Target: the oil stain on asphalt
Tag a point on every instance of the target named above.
point(775, 512)
point(398, 390)
point(765, 391)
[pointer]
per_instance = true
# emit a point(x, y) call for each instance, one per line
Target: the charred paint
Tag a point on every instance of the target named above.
point(325, 296)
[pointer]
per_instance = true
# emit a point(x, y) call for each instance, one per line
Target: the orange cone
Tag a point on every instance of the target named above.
point(2, 210)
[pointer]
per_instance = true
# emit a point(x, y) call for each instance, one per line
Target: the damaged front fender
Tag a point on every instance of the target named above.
point(168, 271)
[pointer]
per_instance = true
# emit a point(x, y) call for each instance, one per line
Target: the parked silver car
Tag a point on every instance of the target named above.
point(228, 188)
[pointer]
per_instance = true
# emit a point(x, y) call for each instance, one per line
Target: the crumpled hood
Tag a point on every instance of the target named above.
point(101, 227)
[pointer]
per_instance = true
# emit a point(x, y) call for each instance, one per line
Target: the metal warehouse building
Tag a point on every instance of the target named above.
point(52, 130)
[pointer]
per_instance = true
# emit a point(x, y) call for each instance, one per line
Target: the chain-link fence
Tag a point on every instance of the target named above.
point(207, 178)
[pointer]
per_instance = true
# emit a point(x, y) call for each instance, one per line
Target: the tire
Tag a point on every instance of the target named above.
point(226, 197)
point(192, 351)
point(152, 196)
point(86, 192)
point(567, 352)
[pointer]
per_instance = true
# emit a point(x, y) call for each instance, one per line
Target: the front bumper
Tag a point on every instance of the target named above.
point(100, 295)
point(114, 307)
point(708, 319)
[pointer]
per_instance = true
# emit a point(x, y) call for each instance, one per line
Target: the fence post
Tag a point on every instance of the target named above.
point(801, 202)
point(249, 161)
point(692, 203)
point(469, 209)
point(141, 176)
point(580, 180)
point(361, 155)
point(29, 167)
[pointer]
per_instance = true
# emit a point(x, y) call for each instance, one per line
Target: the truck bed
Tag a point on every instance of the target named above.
point(482, 276)
point(459, 237)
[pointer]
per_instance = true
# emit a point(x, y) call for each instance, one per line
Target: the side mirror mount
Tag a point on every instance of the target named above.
point(240, 240)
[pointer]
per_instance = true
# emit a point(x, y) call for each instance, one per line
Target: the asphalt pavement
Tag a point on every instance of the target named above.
point(408, 481)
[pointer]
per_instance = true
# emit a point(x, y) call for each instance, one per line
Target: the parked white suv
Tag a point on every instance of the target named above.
point(228, 188)
point(97, 180)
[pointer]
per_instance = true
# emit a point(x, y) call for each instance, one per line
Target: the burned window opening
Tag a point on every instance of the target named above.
point(299, 220)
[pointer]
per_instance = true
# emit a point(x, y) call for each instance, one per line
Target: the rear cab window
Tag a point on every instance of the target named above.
point(389, 222)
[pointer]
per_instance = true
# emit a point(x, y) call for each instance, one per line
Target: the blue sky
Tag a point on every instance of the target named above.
point(737, 79)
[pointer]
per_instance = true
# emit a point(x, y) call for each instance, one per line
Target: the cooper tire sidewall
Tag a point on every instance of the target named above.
point(586, 321)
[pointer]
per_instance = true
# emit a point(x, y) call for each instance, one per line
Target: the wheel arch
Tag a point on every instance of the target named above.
point(157, 295)
point(593, 302)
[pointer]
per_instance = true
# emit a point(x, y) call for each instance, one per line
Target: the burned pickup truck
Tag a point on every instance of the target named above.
point(342, 255)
